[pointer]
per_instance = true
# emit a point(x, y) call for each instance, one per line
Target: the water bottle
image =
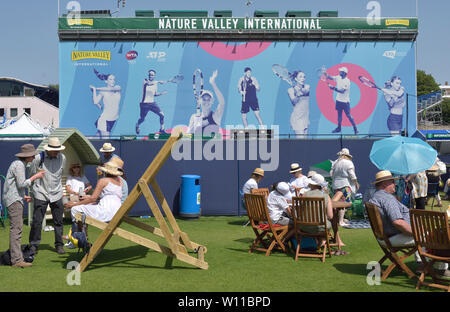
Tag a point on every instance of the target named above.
point(81, 193)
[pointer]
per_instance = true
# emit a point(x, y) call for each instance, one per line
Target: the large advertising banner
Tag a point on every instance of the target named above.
point(305, 88)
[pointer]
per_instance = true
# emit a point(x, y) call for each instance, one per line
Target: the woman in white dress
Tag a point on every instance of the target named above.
point(299, 96)
point(108, 189)
point(111, 99)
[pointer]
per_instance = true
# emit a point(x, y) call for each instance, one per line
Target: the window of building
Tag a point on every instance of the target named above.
point(16, 91)
point(28, 111)
point(13, 112)
point(2, 112)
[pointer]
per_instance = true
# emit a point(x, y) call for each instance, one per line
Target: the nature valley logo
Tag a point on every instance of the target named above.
point(403, 22)
point(80, 21)
point(82, 55)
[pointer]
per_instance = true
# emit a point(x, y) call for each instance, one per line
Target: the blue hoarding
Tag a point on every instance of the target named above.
point(305, 88)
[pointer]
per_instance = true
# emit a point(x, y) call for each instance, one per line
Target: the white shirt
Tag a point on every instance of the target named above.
point(298, 182)
point(277, 204)
point(76, 183)
point(342, 84)
point(249, 185)
point(343, 173)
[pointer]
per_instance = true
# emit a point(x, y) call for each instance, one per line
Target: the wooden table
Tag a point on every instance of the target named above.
point(338, 204)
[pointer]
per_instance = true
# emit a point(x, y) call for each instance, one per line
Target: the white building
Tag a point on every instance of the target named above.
point(18, 97)
point(445, 91)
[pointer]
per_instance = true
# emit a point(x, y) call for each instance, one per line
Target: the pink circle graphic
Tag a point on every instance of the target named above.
point(367, 101)
point(232, 52)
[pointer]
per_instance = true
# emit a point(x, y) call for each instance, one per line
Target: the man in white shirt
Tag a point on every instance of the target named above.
point(252, 183)
point(278, 204)
point(342, 97)
point(298, 181)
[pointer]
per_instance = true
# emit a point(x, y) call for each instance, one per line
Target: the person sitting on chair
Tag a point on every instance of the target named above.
point(317, 184)
point(252, 183)
point(108, 189)
point(394, 215)
point(298, 181)
point(77, 181)
point(278, 204)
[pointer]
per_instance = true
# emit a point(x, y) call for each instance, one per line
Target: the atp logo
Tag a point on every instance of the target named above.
point(390, 54)
point(159, 56)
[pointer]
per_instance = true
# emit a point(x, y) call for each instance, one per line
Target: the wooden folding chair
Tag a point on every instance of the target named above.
point(261, 191)
point(262, 225)
point(390, 252)
point(432, 235)
point(310, 211)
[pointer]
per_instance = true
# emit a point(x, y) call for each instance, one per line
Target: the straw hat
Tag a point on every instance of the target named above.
point(107, 148)
point(384, 175)
point(344, 152)
point(434, 168)
point(259, 172)
point(54, 145)
point(27, 150)
point(295, 167)
point(111, 168)
point(283, 188)
point(311, 173)
point(119, 162)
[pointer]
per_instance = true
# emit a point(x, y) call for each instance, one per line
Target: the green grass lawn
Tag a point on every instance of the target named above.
point(123, 266)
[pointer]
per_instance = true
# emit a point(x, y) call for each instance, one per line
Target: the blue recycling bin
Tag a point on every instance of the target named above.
point(190, 196)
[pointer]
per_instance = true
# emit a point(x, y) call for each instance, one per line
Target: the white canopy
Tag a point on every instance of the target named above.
point(24, 126)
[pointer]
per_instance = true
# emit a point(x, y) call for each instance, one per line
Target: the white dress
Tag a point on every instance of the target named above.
point(110, 202)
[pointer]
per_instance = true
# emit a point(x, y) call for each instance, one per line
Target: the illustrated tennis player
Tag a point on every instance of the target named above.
point(110, 95)
point(247, 87)
point(299, 96)
point(148, 103)
point(342, 97)
point(208, 121)
point(394, 94)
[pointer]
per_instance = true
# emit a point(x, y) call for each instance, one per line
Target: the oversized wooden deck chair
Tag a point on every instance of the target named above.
point(310, 212)
point(262, 225)
point(431, 232)
point(390, 252)
point(178, 241)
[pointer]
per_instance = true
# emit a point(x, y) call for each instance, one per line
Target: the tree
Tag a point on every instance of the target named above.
point(426, 83)
point(446, 111)
point(54, 86)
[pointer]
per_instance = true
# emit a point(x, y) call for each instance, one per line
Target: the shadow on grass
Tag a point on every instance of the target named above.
point(361, 269)
point(118, 258)
point(352, 268)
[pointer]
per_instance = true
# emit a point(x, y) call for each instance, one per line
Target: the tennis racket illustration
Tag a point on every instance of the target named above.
point(282, 72)
point(177, 79)
point(197, 85)
point(368, 82)
point(322, 74)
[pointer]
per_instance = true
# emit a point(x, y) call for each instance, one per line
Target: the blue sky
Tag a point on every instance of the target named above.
point(29, 39)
